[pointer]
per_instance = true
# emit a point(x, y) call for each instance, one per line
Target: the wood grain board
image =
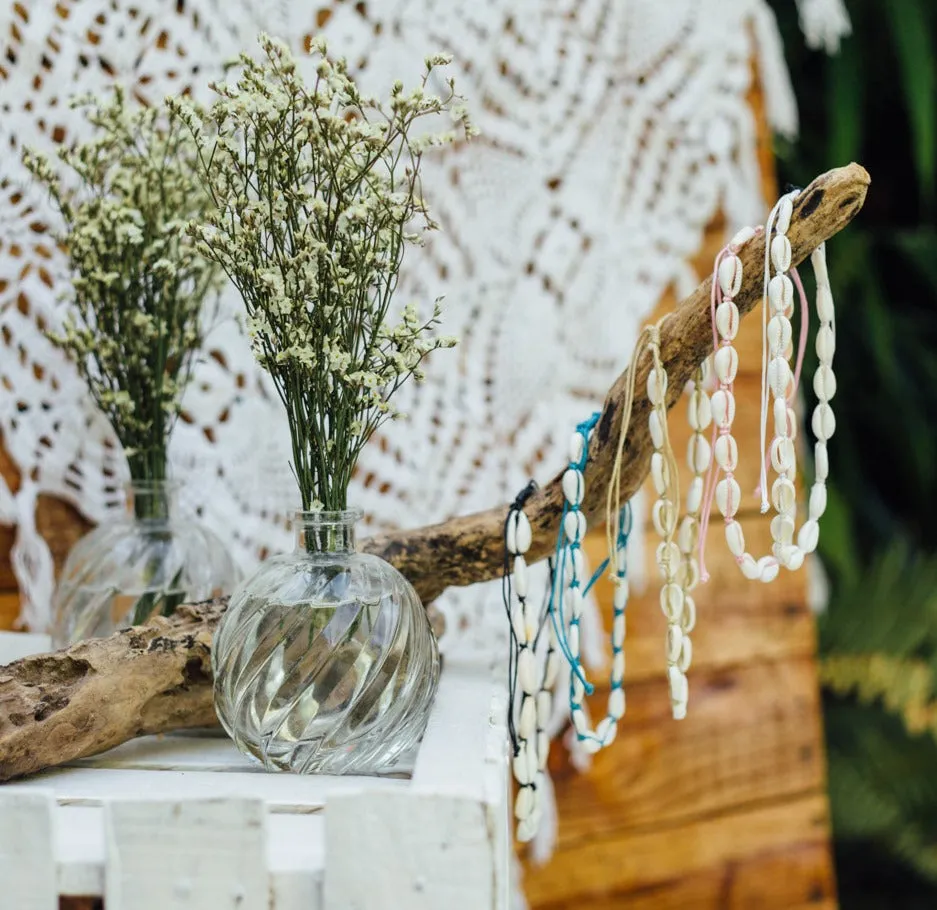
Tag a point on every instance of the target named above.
point(765, 856)
point(9, 605)
point(739, 745)
point(672, 801)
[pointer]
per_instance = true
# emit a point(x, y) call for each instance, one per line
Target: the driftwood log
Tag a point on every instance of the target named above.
point(156, 678)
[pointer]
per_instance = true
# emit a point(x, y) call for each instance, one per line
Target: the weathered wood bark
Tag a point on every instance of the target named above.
point(102, 692)
point(156, 678)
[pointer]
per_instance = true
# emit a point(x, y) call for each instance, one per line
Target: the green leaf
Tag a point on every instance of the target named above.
point(882, 786)
point(889, 607)
point(919, 247)
point(845, 104)
point(912, 35)
point(838, 547)
point(858, 808)
point(880, 326)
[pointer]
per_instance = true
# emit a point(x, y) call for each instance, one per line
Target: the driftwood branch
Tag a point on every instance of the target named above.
point(97, 694)
point(466, 550)
point(155, 678)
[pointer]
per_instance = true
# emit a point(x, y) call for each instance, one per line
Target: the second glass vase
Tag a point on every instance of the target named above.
point(143, 563)
point(325, 660)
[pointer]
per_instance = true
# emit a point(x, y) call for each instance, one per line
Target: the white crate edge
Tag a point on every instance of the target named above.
point(190, 853)
point(27, 866)
point(441, 838)
point(15, 645)
point(444, 842)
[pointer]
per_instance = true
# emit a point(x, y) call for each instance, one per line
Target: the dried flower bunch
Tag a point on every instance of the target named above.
point(138, 283)
point(317, 195)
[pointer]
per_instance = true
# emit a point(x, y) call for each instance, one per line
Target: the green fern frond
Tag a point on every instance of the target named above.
point(911, 845)
point(910, 25)
point(859, 809)
point(903, 686)
point(882, 786)
point(890, 608)
point(862, 809)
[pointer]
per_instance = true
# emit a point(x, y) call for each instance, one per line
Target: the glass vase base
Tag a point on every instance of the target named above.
point(325, 661)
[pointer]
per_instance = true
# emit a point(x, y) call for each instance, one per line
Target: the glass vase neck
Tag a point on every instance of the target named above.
point(152, 500)
point(326, 532)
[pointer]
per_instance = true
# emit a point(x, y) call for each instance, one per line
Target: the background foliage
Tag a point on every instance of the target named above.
point(876, 103)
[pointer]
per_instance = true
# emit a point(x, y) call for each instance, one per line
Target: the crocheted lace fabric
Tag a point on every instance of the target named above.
point(612, 130)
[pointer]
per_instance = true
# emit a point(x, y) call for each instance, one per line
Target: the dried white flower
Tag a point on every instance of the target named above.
point(317, 195)
point(138, 283)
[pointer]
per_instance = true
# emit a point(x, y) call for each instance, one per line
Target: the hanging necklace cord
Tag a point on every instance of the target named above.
point(716, 298)
point(649, 340)
point(513, 645)
point(556, 609)
point(613, 494)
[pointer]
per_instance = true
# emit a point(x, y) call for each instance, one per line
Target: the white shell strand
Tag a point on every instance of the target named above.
point(790, 554)
point(532, 745)
point(677, 561)
point(778, 338)
point(575, 527)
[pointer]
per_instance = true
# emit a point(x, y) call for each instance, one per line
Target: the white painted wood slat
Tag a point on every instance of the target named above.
point(280, 792)
point(79, 850)
point(14, 645)
point(174, 752)
point(445, 841)
point(203, 751)
point(27, 865)
point(187, 822)
point(295, 856)
point(172, 855)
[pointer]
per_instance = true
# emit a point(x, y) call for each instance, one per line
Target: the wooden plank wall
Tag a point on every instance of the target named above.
point(726, 809)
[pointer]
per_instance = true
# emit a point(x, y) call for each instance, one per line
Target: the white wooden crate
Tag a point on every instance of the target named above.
point(188, 822)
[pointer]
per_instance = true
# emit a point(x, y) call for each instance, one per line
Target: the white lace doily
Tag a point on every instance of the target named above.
point(611, 132)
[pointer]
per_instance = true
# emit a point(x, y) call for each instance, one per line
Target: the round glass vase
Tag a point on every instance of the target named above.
point(325, 660)
point(143, 563)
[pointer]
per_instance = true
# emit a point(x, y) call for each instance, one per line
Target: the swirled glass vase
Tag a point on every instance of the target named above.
point(325, 660)
point(144, 563)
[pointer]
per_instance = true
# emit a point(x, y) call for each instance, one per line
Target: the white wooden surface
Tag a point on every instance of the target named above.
point(188, 822)
point(294, 854)
point(27, 867)
point(210, 853)
point(452, 852)
point(14, 645)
